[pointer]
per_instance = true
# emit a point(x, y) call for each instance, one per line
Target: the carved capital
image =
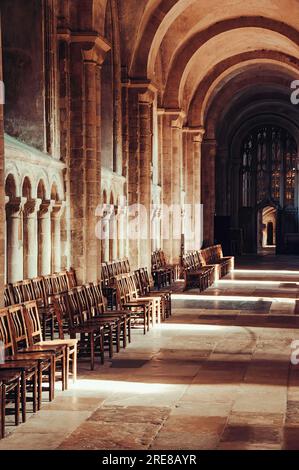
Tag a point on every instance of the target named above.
point(177, 117)
point(58, 209)
point(197, 132)
point(14, 207)
point(46, 208)
point(94, 46)
point(31, 207)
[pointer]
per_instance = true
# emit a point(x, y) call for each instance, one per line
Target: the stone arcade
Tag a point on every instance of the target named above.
point(118, 104)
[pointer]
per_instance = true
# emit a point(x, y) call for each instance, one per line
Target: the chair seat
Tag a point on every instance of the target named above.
point(58, 342)
point(8, 376)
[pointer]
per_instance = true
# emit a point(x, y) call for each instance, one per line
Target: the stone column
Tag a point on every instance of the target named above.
point(121, 214)
point(145, 191)
point(113, 232)
point(87, 53)
point(171, 129)
point(137, 145)
point(44, 237)
point(14, 216)
point(31, 208)
point(2, 186)
point(209, 149)
point(57, 212)
point(197, 176)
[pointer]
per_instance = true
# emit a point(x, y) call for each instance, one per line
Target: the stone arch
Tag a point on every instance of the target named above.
point(41, 190)
point(10, 186)
point(54, 192)
point(228, 69)
point(27, 188)
point(189, 48)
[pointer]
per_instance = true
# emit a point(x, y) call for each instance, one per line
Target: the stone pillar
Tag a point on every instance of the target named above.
point(171, 128)
point(209, 149)
point(121, 214)
point(197, 200)
point(138, 148)
point(133, 173)
point(30, 254)
point(87, 53)
point(44, 238)
point(113, 232)
point(56, 215)
point(14, 216)
point(145, 191)
point(2, 185)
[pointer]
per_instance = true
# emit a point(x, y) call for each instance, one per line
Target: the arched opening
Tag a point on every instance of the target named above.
point(266, 229)
point(10, 187)
point(14, 232)
point(29, 231)
point(44, 232)
point(268, 187)
point(41, 190)
point(54, 193)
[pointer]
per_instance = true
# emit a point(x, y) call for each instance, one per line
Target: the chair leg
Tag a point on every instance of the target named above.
point(34, 391)
point(74, 365)
point(2, 411)
point(145, 316)
point(17, 402)
point(91, 336)
point(118, 333)
point(129, 330)
point(124, 332)
point(110, 342)
point(23, 396)
point(40, 387)
point(52, 373)
point(67, 367)
point(63, 371)
point(102, 342)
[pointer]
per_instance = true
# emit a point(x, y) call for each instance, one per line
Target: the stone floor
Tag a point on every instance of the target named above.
point(218, 375)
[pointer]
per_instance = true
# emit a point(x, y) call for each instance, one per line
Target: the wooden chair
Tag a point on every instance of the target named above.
point(12, 361)
point(36, 342)
point(147, 287)
point(98, 307)
point(45, 359)
point(140, 309)
point(72, 278)
point(72, 344)
point(10, 384)
point(46, 311)
point(108, 286)
point(91, 340)
point(111, 330)
point(8, 296)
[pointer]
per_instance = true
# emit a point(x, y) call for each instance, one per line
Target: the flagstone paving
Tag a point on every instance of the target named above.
point(211, 377)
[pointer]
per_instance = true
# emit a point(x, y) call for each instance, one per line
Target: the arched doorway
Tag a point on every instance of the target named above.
point(266, 229)
point(268, 191)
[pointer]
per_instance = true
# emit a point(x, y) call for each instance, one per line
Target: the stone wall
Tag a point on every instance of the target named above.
point(2, 201)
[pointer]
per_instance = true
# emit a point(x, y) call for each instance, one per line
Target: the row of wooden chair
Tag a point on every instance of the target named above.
point(163, 273)
point(41, 289)
point(203, 267)
point(85, 315)
point(145, 286)
point(213, 255)
point(29, 361)
point(197, 275)
point(146, 308)
point(109, 270)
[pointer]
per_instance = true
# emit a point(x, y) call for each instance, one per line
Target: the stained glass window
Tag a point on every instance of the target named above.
point(269, 167)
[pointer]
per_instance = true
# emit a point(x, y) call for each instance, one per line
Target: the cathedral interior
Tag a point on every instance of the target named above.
point(149, 174)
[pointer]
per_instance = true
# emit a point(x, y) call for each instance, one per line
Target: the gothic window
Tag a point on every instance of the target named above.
point(269, 167)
